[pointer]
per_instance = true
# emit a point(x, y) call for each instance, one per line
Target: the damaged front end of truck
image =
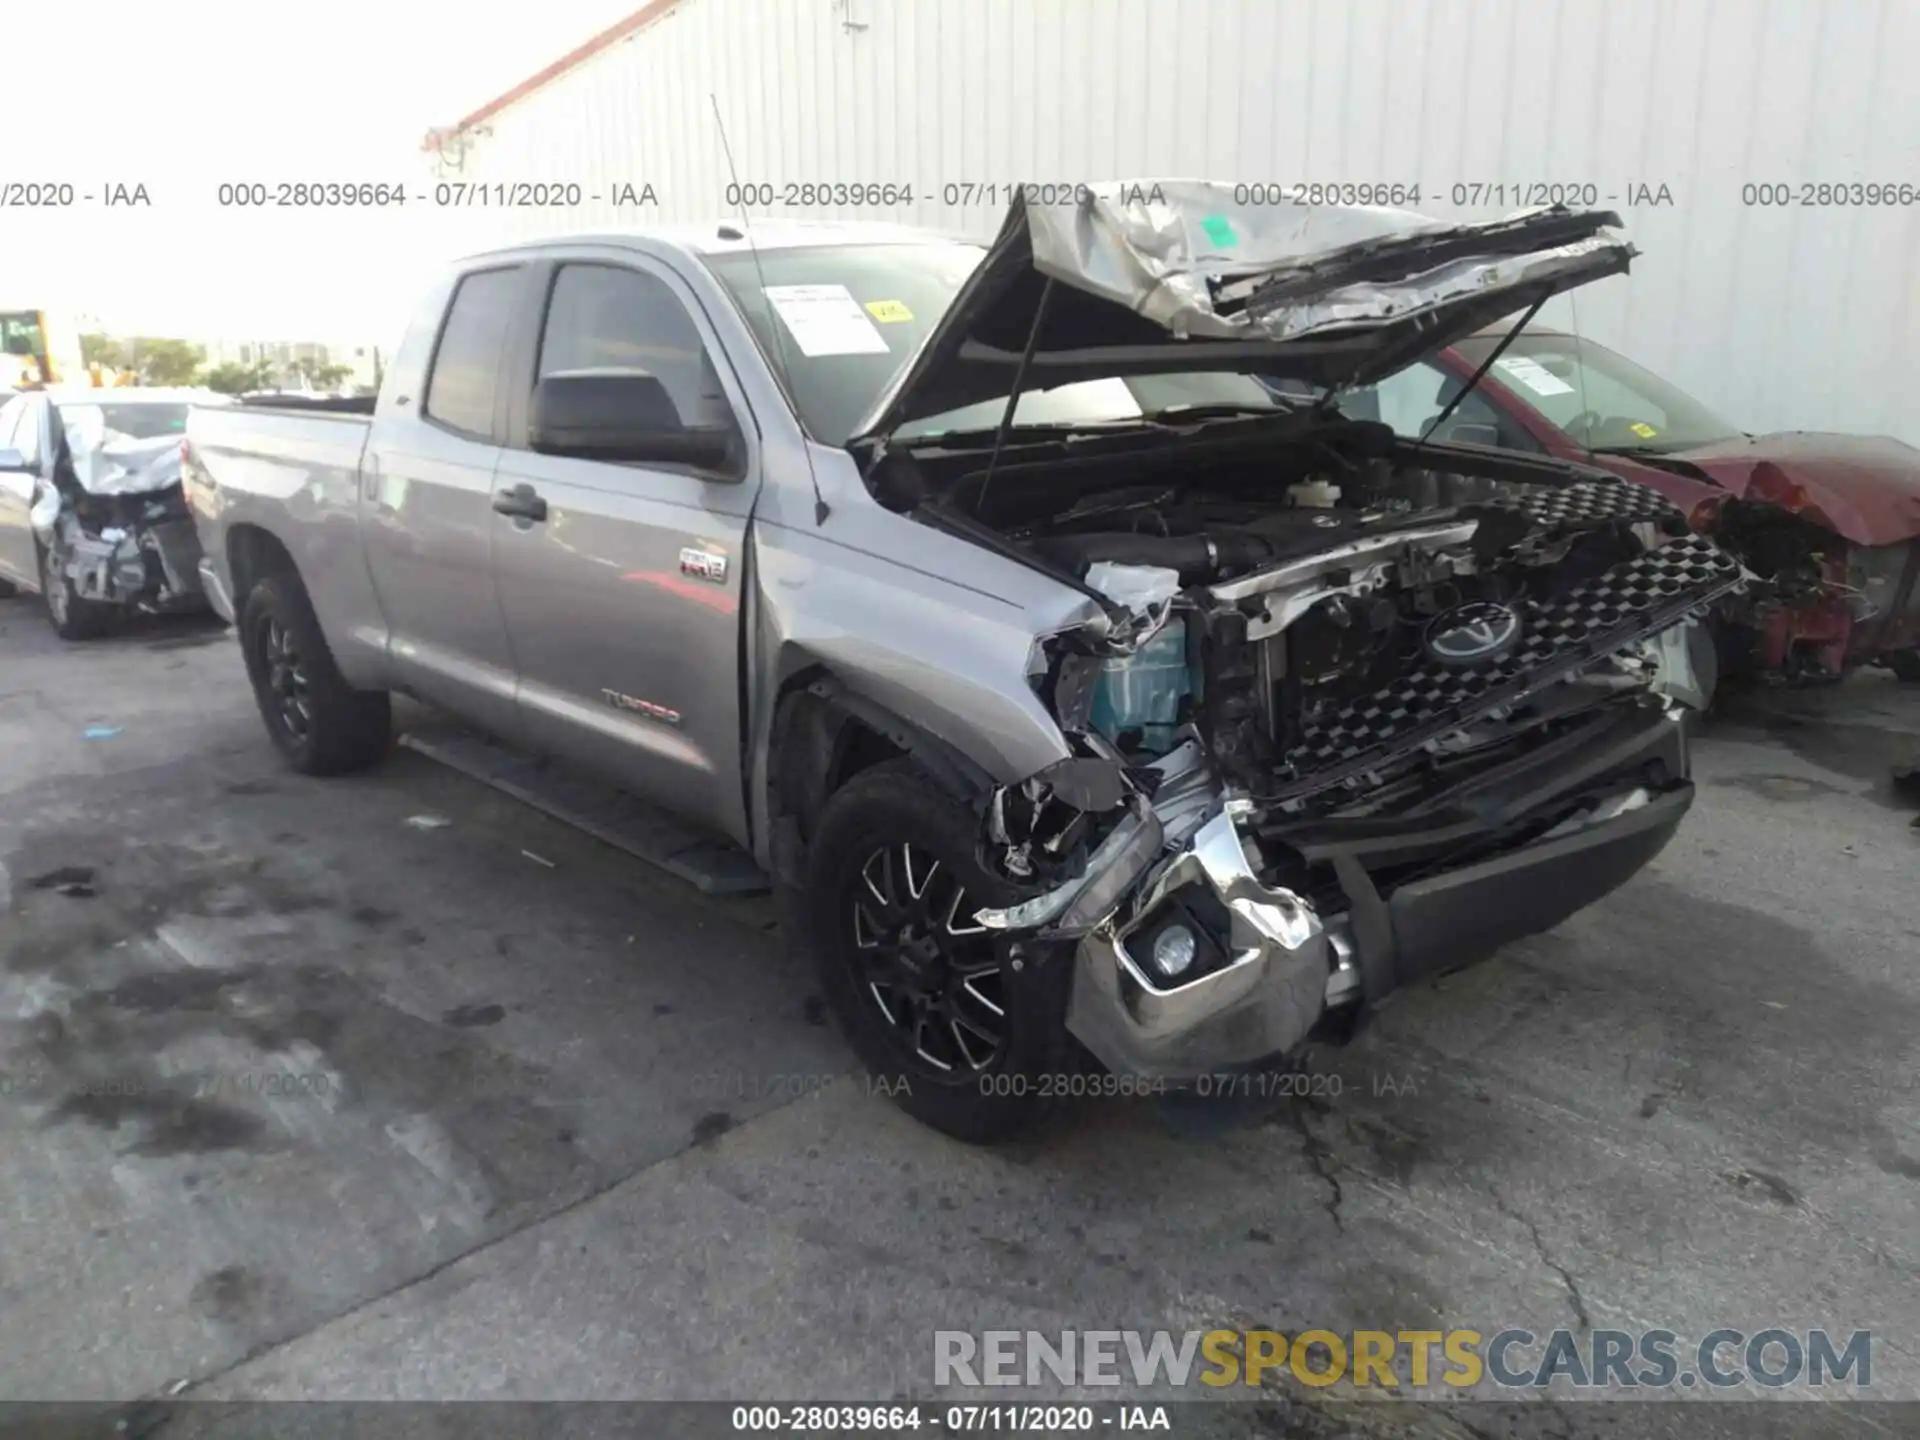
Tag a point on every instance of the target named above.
point(1347, 709)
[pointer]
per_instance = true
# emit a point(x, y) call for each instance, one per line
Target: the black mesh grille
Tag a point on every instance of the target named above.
point(1636, 598)
point(1589, 502)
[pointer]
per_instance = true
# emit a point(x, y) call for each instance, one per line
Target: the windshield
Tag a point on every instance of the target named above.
point(852, 315)
point(1603, 401)
point(150, 421)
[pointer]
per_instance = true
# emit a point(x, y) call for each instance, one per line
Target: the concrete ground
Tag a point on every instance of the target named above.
point(298, 1099)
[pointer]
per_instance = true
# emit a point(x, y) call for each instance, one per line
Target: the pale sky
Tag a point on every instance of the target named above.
point(184, 95)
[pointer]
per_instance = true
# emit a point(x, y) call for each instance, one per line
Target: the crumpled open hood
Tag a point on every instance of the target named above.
point(1864, 487)
point(1172, 275)
point(124, 467)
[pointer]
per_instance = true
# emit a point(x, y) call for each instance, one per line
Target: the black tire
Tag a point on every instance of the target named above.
point(1905, 665)
point(321, 724)
point(72, 618)
point(907, 1018)
point(8, 589)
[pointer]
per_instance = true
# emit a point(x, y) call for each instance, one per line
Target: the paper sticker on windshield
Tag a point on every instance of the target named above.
point(825, 320)
point(1643, 430)
point(888, 312)
point(1532, 374)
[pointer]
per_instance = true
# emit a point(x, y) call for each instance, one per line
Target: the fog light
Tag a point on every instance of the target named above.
point(1173, 950)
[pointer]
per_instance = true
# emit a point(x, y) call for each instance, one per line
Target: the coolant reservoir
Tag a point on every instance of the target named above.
point(1142, 691)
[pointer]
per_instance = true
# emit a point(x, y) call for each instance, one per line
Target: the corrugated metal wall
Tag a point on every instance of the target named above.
point(1780, 315)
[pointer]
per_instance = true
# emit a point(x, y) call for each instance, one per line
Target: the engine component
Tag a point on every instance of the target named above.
point(1142, 693)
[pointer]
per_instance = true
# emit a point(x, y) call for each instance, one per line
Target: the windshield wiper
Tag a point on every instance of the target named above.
point(1215, 410)
point(920, 437)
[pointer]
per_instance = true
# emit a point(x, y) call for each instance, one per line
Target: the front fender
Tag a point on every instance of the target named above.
point(947, 659)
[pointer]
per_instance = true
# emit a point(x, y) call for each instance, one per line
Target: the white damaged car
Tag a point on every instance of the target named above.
point(91, 512)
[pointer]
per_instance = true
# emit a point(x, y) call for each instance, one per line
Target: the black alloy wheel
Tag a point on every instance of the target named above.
point(929, 967)
point(286, 677)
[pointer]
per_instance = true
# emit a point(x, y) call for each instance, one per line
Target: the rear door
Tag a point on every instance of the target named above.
point(427, 495)
point(623, 603)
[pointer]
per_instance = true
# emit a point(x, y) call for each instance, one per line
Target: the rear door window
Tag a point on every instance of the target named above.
point(465, 381)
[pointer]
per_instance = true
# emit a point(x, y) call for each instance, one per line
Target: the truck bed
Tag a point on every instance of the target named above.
point(274, 450)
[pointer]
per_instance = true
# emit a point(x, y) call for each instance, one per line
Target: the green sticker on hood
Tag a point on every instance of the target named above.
point(1219, 231)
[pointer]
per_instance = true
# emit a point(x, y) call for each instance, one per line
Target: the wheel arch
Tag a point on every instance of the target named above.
point(253, 551)
point(823, 734)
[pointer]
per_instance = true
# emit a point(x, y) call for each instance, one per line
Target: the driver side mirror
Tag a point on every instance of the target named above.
point(13, 460)
point(625, 415)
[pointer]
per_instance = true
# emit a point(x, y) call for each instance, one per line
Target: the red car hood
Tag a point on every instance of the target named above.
point(1864, 487)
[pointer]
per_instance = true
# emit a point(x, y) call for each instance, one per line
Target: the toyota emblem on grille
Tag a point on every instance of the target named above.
point(1470, 633)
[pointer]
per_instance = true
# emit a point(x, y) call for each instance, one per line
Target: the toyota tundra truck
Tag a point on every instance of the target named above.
point(1080, 677)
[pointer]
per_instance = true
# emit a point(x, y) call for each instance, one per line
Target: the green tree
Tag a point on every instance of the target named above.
point(161, 361)
point(103, 350)
point(236, 379)
point(323, 374)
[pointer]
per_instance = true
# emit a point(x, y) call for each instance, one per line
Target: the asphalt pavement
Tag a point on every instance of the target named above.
point(389, 1088)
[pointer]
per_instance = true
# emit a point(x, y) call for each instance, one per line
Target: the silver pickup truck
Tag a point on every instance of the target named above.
point(1029, 612)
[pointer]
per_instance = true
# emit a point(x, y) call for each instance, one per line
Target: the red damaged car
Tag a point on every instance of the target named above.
point(1829, 523)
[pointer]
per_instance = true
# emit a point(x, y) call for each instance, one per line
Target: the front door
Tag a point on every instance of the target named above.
point(426, 508)
point(623, 598)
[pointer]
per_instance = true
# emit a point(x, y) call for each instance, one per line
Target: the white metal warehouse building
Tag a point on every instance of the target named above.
point(1693, 118)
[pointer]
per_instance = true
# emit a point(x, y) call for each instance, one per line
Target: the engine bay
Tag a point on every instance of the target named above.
point(1326, 608)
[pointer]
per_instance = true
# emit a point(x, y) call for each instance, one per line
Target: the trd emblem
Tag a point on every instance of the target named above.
point(704, 565)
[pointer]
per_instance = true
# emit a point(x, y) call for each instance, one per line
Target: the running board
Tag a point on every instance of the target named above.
point(709, 863)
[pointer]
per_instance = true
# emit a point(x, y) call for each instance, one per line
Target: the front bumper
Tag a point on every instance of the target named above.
point(1595, 812)
point(154, 565)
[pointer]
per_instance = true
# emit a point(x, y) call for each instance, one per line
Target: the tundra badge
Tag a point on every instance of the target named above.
point(704, 564)
point(641, 707)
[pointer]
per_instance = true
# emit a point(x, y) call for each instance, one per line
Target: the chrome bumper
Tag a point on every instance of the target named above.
point(1271, 966)
point(1263, 1000)
point(1268, 988)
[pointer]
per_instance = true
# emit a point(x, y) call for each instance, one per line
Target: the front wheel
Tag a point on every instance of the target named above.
point(958, 1032)
point(321, 724)
point(72, 617)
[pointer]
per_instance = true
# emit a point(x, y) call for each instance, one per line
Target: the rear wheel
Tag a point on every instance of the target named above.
point(1905, 665)
point(956, 1031)
point(72, 617)
point(321, 724)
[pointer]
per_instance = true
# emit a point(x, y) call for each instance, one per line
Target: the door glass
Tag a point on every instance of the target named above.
point(609, 317)
point(1410, 399)
point(466, 368)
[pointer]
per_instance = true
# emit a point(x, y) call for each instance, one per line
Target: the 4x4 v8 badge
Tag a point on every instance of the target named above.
point(1471, 633)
